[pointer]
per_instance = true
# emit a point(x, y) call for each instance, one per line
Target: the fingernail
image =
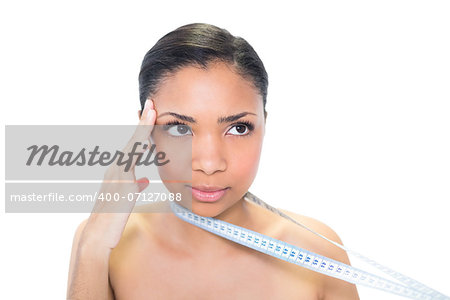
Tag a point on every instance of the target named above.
point(149, 103)
point(149, 112)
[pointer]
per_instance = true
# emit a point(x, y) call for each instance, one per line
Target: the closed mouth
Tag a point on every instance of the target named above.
point(208, 193)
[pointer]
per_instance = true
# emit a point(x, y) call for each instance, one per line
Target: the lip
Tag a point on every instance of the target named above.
point(208, 193)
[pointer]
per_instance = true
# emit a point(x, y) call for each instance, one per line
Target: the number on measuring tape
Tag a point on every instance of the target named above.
point(279, 249)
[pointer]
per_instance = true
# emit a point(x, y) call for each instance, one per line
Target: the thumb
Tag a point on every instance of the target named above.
point(142, 183)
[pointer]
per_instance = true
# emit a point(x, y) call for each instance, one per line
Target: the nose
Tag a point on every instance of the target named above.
point(208, 154)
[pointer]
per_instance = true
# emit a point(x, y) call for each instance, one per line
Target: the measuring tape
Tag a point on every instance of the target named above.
point(408, 287)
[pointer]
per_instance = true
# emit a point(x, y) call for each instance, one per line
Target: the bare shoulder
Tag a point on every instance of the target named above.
point(295, 232)
point(134, 233)
point(139, 233)
point(126, 258)
point(292, 233)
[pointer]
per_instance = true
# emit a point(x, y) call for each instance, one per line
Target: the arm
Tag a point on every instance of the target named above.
point(88, 270)
point(101, 232)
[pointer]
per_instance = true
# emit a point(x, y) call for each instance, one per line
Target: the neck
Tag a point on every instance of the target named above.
point(202, 241)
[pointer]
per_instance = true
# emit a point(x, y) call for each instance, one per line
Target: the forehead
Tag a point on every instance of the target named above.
point(218, 86)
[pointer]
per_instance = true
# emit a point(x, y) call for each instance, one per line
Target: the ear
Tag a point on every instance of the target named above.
point(265, 118)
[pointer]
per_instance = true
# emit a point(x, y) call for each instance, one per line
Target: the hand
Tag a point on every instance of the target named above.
point(107, 221)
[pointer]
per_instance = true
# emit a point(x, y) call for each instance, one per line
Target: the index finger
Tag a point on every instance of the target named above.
point(142, 133)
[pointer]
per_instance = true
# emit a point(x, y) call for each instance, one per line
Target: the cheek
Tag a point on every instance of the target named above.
point(244, 164)
point(177, 172)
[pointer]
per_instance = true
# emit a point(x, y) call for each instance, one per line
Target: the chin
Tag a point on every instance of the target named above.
point(204, 209)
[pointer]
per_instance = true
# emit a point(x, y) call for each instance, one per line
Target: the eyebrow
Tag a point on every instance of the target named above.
point(220, 120)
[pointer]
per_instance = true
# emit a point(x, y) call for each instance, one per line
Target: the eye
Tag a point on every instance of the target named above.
point(241, 129)
point(178, 129)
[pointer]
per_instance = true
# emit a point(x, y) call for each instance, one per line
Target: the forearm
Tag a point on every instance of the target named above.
point(90, 278)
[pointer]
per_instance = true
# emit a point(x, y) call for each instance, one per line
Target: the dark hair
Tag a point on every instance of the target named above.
point(199, 44)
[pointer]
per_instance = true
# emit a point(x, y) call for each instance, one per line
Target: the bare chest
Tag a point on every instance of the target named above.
point(151, 274)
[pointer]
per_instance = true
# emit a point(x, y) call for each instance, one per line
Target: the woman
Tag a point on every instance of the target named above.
point(203, 84)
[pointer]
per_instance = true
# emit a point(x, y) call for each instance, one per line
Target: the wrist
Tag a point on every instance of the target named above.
point(93, 243)
point(93, 251)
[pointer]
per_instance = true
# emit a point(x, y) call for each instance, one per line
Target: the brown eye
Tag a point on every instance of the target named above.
point(239, 129)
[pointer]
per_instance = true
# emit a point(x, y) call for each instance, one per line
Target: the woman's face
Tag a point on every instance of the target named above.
point(222, 117)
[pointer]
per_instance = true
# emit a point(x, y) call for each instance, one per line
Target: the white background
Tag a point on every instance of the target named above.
point(358, 132)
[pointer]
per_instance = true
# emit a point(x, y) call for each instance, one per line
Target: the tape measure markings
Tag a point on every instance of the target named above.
point(310, 260)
